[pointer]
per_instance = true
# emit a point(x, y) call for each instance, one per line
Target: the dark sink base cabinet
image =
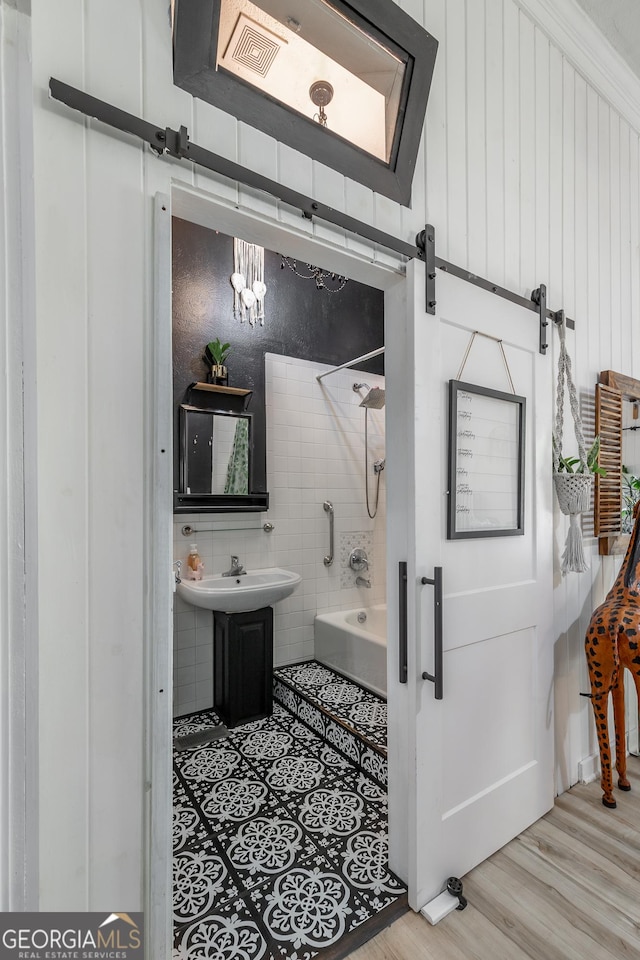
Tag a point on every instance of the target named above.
point(243, 665)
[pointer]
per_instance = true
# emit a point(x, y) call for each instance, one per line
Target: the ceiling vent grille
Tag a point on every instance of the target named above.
point(252, 47)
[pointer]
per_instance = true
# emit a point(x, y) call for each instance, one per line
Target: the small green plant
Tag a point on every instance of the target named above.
point(574, 465)
point(216, 353)
point(630, 496)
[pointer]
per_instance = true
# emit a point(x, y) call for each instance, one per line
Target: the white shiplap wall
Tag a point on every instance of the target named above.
point(529, 176)
point(537, 182)
point(18, 613)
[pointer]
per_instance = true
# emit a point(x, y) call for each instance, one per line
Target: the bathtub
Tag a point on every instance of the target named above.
point(358, 650)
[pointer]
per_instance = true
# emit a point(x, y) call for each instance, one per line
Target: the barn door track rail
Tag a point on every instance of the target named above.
point(537, 302)
point(176, 144)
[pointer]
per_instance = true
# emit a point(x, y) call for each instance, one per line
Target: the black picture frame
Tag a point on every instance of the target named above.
point(195, 41)
point(486, 462)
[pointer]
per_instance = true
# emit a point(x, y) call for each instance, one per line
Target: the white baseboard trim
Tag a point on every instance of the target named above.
point(589, 769)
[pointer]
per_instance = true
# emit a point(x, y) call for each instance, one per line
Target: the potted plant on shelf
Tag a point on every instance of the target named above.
point(215, 355)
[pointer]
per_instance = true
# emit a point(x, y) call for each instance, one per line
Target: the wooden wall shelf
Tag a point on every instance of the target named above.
point(217, 388)
point(237, 394)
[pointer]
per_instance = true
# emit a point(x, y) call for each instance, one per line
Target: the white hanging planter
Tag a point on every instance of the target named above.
point(573, 491)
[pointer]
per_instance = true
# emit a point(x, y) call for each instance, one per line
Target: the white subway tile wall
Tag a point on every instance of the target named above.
point(315, 452)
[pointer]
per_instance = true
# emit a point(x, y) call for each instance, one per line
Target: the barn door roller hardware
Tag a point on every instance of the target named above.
point(538, 303)
point(176, 143)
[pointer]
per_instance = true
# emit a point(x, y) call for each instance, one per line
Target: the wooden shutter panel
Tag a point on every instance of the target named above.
point(608, 494)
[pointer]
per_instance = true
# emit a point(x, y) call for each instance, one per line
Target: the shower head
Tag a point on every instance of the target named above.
point(374, 400)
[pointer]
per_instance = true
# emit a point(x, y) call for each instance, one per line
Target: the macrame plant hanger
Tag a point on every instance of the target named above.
point(572, 489)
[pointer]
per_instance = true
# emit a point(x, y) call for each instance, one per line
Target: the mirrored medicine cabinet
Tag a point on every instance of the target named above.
point(216, 453)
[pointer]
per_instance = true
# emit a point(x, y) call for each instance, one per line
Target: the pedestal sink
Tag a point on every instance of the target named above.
point(251, 591)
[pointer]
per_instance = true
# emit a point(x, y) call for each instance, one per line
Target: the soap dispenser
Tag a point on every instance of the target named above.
point(195, 566)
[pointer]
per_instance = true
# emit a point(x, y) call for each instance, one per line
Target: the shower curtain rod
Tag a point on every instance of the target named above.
point(351, 363)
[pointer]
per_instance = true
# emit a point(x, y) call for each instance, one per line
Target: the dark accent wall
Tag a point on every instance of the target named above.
point(300, 321)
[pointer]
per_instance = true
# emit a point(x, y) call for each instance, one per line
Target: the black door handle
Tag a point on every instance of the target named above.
point(402, 621)
point(436, 676)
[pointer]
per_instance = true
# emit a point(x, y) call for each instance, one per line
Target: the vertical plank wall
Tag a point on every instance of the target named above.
point(529, 176)
point(532, 177)
point(18, 615)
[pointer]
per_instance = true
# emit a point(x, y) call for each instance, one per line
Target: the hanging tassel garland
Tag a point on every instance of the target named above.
point(247, 280)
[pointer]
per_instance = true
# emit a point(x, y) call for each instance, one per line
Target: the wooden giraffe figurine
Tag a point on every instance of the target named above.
point(613, 643)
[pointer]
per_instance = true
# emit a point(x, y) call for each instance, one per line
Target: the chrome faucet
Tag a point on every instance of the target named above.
point(363, 582)
point(178, 565)
point(236, 569)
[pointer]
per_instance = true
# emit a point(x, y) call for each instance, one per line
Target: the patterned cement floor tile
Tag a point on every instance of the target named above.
point(336, 763)
point(332, 812)
point(263, 847)
point(308, 908)
point(280, 843)
point(309, 675)
point(208, 764)
point(188, 822)
point(234, 800)
point(294, 773)
point(195, 722)
point(364, 863)
point(267, 745)
point(317, 694)
point(201, 880)
point(230, 931)
point(370, 790)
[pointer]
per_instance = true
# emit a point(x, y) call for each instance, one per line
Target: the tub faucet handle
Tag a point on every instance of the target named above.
point(358, 559)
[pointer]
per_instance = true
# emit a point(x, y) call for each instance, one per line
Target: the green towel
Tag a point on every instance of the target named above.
point(238, 469)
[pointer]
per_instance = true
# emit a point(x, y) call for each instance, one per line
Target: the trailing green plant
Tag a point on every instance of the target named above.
point(630, 496)
point(575, 465)
point(216, 353)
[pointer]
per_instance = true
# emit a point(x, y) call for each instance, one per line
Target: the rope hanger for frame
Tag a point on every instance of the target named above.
point(478, 333)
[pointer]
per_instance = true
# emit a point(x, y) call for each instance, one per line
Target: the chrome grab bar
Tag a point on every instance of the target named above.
point(328, 508)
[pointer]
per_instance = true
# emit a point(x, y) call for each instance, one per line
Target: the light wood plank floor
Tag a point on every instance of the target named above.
point(566, 889)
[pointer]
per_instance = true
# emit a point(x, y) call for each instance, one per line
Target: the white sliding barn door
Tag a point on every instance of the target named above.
point(480, 761)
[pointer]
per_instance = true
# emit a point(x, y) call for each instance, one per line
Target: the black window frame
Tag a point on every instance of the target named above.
point(196, 25)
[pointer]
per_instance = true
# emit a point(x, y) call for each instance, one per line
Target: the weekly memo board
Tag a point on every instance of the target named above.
point(486, 462)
